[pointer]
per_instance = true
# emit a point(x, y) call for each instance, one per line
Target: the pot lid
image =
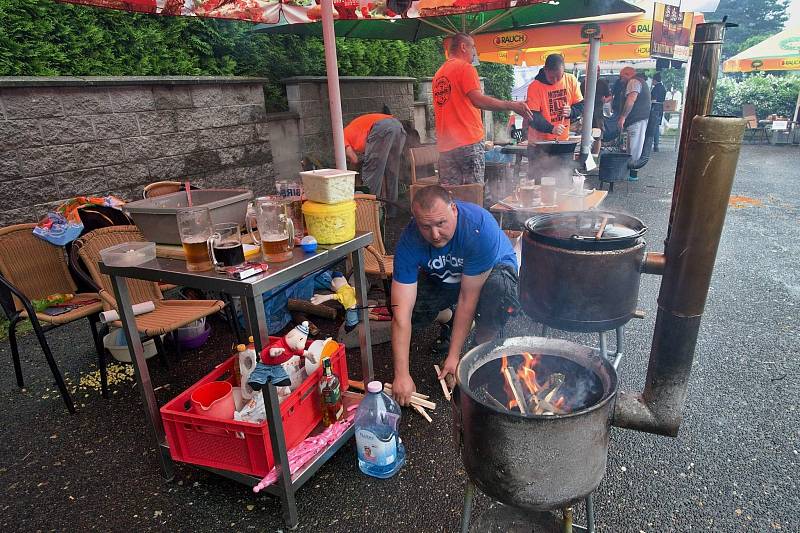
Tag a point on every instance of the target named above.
point(586, 229)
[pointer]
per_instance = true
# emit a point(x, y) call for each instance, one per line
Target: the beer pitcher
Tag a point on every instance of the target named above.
point(275, 229)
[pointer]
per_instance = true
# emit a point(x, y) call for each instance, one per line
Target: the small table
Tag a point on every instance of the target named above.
point(250, 292)
point(565, 203)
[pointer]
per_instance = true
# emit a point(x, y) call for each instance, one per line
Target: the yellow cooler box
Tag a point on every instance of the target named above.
point(330, 223)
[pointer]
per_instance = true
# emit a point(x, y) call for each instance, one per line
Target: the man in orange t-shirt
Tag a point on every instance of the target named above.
point(554, 98)
point(457, 101)
point(377, 140)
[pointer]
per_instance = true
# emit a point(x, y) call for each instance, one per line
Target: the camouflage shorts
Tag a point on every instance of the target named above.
point(464, 165)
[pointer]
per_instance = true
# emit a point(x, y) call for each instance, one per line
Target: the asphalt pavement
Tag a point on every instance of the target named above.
point(733, 467)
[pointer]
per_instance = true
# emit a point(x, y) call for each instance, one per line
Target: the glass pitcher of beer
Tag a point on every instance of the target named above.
point(194, 225)
point(275, 229)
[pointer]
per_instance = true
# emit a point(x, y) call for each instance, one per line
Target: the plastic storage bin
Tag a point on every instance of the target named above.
point(157, 217)
point(242, 446)
point(329, 185)
point(330, 223)
point(128, 253)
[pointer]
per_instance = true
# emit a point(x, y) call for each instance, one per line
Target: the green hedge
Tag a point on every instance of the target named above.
point(769, 94)
point(44, 38)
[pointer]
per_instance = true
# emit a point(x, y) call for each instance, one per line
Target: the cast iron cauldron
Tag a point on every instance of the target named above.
point(534, 462)
point(572, 280)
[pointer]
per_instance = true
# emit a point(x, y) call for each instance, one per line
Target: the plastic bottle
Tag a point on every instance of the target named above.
point(380, 450)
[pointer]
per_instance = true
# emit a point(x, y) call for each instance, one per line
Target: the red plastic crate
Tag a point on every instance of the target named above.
point(242, 446)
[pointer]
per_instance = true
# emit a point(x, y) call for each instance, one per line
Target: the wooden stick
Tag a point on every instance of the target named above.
point(442, 382)
point(517, 396)
point(423, 412)
point(302, 306)
point(603, 224)
point(388, 387)
point(483, 394)
point(358, 385)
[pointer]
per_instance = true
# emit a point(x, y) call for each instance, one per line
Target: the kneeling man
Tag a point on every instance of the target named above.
point(451, 254)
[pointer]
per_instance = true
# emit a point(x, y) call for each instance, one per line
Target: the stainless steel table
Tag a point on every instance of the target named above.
point(250, 292)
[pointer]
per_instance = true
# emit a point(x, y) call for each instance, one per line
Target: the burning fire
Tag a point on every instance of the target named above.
point(526, 393)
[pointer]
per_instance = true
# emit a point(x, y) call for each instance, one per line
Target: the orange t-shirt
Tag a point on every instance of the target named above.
point(458, 122)
point(355, 134)
point(549, 100)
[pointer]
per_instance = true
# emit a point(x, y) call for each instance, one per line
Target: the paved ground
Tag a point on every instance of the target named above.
point(734, 466)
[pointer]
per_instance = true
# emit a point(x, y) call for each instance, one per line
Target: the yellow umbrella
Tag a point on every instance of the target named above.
point(779, 52)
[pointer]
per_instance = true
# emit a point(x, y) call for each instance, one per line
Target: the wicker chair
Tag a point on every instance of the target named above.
point(423, 156)
point(376, 260)
point(168, 316)
point(30, 269)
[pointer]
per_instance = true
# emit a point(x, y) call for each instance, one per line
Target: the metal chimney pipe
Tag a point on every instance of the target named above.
point(699, 97)
point(707, 159)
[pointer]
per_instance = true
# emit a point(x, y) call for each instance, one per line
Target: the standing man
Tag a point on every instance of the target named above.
point(452, 253)
point(658, 93)
point(457, 101)
point(377, 140)
point(635, 113)
point(554, 98)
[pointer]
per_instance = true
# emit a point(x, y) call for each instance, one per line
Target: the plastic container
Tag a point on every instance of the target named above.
point(192, 330)
point(214, 399)
point(157, 217)
point(242, 446)
point(128, 253)
point(117, 346)
point(380, 451)
point(331, 223)
point(193, 338)
point(329, 185)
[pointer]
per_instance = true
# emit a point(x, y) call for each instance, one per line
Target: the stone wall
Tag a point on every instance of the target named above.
point(284, 141)
point(308, 97)
point(62, 137)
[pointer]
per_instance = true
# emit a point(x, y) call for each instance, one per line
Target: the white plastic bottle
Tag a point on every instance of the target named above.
point(380, 451)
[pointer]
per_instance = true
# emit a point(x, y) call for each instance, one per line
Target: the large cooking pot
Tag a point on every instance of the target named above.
point(551, 158)
point(534, 462)
point(573, 278)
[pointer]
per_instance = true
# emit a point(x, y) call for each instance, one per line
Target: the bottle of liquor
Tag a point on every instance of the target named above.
point(330, 394)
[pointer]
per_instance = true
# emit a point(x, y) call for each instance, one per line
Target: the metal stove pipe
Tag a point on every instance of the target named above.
point(710, 150)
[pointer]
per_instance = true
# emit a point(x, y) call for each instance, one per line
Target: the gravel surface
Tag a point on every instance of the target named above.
point(732, 468)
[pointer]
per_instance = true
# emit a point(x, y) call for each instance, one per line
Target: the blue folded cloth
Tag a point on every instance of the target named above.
point(263, 374)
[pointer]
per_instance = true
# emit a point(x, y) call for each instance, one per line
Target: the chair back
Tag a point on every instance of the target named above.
point(89, 247)
point(749, 110)
point(160, 188)
point(33, 265)
point(368, 218)
point(423, 156)
point(471, 192)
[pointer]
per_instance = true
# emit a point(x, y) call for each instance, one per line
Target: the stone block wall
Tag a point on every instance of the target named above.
point(62, 137)
point(308, 97)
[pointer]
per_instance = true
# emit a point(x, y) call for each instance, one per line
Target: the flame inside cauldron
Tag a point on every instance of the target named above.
point(536, 384)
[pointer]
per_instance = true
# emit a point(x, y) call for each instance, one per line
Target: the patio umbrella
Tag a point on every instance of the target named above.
point(779, 52)
point(384, 19)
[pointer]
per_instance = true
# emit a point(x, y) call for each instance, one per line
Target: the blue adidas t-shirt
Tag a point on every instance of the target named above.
point(477, 246)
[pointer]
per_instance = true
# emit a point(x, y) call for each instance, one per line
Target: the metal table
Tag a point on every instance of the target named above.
point(250, 292)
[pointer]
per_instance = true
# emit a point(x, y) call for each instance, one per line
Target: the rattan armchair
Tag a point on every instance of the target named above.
point(32, 269)
point(168, 316)
point(376, 261)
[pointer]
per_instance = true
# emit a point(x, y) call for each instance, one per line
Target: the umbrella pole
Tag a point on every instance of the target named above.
point(796, 108)
point(588, 98)
point(334, 95)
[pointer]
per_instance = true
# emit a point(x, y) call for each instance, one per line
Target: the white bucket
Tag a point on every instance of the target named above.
point(116, 343)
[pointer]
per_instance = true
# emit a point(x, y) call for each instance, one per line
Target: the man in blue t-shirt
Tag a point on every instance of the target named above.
point(451, 254)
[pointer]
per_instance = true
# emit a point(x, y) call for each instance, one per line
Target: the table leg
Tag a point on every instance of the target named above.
point(143, 382)
point(257, 324)
point(364, 333)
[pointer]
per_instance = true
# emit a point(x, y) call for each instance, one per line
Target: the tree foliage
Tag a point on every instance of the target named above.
point(769, 94)
point(754, 17)
point(44, 38)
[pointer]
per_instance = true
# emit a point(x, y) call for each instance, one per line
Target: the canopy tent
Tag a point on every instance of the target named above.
point(779, 52)
point(379, 19)
point(621, 39)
